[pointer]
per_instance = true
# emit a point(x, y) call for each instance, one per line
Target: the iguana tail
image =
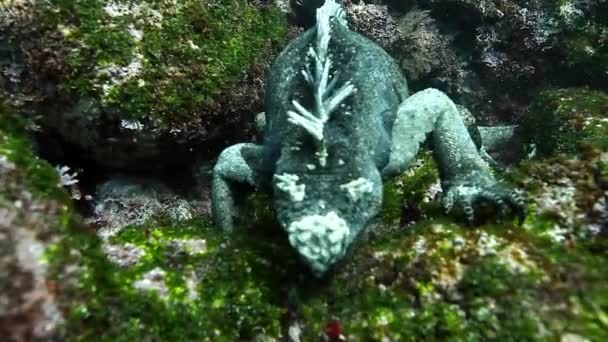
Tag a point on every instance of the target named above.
point(307, 14)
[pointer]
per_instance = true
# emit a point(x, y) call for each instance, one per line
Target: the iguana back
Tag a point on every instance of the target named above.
point(359, 126)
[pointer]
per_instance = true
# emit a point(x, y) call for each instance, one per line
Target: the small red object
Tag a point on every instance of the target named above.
point(333, 330)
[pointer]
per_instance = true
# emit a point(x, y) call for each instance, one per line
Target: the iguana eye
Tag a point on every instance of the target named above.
point(358, 188)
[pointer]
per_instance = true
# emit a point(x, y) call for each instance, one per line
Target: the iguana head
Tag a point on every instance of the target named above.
point(323, 212)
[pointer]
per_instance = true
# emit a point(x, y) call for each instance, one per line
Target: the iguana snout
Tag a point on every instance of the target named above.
point(324, 213)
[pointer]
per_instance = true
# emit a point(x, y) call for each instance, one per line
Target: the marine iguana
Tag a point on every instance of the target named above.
point(338, 119)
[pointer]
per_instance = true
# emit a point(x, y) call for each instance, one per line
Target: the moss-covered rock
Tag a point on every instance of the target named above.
point(567, 121)
point(180, 281)
point(571, 192)
point(434, 279)
point(413, 195)
point(584, 40)
point(129, 81)
point(439, 281)
point(184, 281)
point(34, 211)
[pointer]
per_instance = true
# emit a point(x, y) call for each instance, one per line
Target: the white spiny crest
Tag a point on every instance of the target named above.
point(320, 81)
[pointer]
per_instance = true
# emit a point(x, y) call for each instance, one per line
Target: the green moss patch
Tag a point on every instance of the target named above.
point(440, 281)
point(410, 196)
point(214, 288)
point(567, 121)
point(15, 145)
point(158, 60)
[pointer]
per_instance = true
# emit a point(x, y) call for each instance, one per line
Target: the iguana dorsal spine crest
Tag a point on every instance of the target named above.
point(320, 82)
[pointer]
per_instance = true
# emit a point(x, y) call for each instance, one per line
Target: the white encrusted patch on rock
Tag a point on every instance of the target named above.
point(153, 280)
point(124, 255)
point(191, 247)
point(123, 202)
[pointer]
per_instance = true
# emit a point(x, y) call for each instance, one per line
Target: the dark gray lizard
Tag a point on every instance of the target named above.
point(338, 119)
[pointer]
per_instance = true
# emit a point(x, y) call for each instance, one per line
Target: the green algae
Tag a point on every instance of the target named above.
point(567, 121)
point(454, 287)
point(237, 291)
point(15, 145)
point(434, 280)
point(408, 194)
point(154, 59)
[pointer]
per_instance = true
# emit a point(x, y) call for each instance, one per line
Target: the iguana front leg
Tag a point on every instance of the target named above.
point(465, 177)
point(237, 164)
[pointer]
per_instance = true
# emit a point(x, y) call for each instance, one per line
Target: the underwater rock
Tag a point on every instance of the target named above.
point(445, 281)
point(431, 278)
point(373, 21)
point(567, 121)
point(504, 45)
point(585, 41)
point(126, 201)
point(570, 191)
point(33, 212)
point(424, 54)
point(136, 85)
point(190, 281)
point(476, 50)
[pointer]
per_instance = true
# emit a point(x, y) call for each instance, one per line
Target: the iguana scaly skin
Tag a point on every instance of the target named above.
point(338, 119)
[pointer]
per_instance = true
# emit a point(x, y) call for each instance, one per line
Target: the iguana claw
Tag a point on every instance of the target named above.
point(470, 197)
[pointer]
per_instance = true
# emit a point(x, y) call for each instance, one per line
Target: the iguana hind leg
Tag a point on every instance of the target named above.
point(236, 165)
point(465, 177)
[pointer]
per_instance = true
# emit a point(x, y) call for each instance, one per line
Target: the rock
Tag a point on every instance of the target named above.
point(374, 22)
point(125, 201)
point(421, 50)
point(191, 281)
point(437, 279)
point(137, 85)
point(566, 121)
point(474, 50)
point(33, 211)
point(571, 191)
point(432, 277)
point(585, 40)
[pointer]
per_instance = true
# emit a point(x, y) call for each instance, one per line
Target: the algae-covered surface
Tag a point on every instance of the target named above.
point(93, 254)
point(430, 280)
point(132, 83)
